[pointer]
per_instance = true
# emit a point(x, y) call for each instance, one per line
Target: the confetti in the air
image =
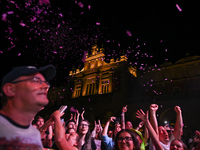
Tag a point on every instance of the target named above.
point(177, 6)
point(128, 33)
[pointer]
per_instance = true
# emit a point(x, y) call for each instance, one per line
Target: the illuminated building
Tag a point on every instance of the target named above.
point(102, 89)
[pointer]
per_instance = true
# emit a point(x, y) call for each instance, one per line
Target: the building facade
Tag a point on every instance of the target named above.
point(102, 89)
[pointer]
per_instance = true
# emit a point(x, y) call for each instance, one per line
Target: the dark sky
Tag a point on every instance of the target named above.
point(60, 34)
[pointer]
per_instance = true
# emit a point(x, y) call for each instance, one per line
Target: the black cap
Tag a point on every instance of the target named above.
point(48, 72)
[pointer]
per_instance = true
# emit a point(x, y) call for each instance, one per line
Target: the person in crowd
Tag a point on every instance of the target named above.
point(70, 130)
point(86, 142)
point(161, 132)
point(194, 142)
point(169, 129)
point(24, 94)
point(62, 141)
point(173, 145)
point(129, 126)
point(108, 141)
point(70, 124)
point(46, 134)
point(96, 134)
point(110, 133)
point(126, 140)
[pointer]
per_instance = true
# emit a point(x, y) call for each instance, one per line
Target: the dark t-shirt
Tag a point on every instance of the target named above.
point(93, 145)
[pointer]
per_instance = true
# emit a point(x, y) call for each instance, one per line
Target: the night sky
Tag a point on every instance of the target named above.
point(148, 33)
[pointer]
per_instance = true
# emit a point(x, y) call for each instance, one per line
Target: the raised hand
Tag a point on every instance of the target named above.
point(82, 115)
point(71, 117)
point(141, 124)
point(198, 134)
point(95, 124)
point(56, 114)
point(124, 109)
point(112, 119)
point(177, 109)
point(153, 107)
point(141, 115)
point(78, 114)
point(99, 122)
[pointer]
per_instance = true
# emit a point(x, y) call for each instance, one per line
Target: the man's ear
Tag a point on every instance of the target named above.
point(9, 89)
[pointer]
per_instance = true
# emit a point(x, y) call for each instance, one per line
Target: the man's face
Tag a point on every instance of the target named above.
point(128, 125)
point(29, 94)
point(73, 138)
point(117, 128)
point(163, 135)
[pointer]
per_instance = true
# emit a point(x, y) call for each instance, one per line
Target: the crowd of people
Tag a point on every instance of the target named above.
point(24, 93)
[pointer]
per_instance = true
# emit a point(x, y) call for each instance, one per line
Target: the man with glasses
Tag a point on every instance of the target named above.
point(24, 93)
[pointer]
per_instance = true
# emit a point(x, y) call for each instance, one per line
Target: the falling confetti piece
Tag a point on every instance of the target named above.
point(80, 4)
point(177, 6)
point(72, 109)
point(97, 23)
point(128, 33)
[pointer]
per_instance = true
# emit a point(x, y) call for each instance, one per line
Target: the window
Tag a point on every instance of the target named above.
point(78, 91)
point(90, 90)
point(105, 86)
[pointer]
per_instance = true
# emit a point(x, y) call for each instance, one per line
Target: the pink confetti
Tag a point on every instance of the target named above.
point(177, 6)
point(19, 54)
point(128, 33)
point(72, 109)
point(1, 52)
point(89, 6)
point(10, 12)
point(3, 18)
point(80, 4)
point(98, 23)
point(22, 24)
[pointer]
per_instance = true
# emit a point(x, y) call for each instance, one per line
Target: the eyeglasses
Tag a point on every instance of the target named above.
point(127, 139)
point(169, 131)
point(33, 80)
point(84, 125)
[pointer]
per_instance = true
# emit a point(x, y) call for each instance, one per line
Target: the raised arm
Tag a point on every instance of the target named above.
point(105, 129)
point(93, 134)
point(77, 120)
point(82, 117)
point(101, 129)
point(179, 123)
point(139, 125)
point(198, 136)
point(153, 118)
point(124, 109)
point(154, 137)
point(59, 133)
point(50, 135)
